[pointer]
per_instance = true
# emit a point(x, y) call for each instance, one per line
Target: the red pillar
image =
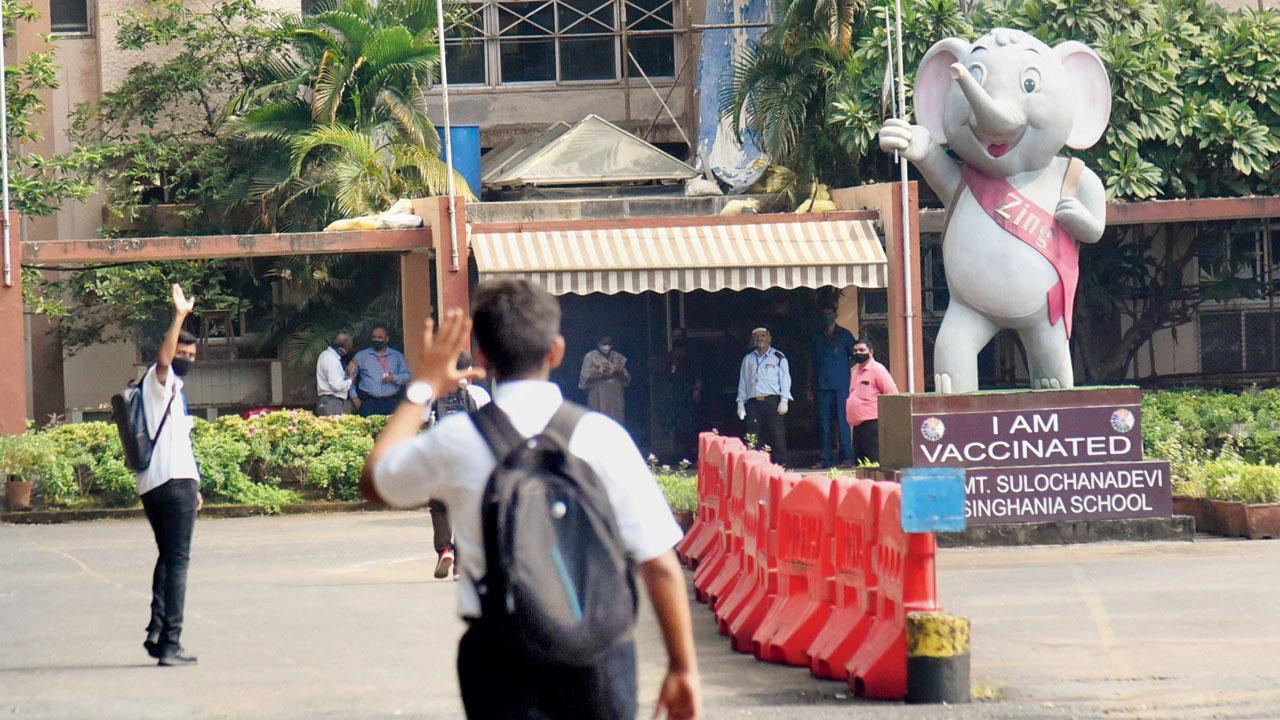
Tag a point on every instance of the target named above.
point(452, 288)
point(13, 353)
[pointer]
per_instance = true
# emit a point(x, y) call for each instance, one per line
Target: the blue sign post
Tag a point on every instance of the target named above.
point(933, 500)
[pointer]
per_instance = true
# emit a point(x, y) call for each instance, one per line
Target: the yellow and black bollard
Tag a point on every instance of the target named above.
point(937, 658)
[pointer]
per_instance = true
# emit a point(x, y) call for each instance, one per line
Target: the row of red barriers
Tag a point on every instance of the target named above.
point(808, 570)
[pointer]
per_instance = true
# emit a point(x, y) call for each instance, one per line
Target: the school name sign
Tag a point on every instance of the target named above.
point(1080, 461)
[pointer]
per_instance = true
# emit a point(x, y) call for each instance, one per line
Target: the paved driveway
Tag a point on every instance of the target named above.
point(336, 616)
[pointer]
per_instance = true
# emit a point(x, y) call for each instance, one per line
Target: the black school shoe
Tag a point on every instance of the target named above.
point(177, 658)
point(153, 647)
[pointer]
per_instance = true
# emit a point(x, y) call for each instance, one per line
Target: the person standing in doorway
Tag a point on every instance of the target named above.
point(764, 393)
point(828, 386)
point(604, 376)
point(868, 381)
point(333, 384)
point(381, 374)
point(170, 485)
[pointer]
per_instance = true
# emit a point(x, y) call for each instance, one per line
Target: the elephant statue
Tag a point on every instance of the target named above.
point(1005, 105)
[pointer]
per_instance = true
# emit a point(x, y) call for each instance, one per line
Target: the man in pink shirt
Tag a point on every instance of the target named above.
point(867, 382)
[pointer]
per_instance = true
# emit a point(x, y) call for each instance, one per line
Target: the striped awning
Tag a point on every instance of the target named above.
point(790, 254)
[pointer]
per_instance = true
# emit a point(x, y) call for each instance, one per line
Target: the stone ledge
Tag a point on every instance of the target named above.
point(1179, 528)
point(48, 517)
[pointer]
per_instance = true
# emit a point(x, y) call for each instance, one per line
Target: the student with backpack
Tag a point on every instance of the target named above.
point(155, 431)
point(467, 398)
point(552, 507)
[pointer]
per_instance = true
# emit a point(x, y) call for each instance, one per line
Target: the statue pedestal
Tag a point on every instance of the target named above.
point(1032, 456)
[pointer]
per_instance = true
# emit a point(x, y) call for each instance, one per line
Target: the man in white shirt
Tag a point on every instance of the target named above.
point(170, 486)
point(333, 384)
point(518, 333)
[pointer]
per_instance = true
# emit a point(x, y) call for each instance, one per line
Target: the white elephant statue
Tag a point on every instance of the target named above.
point(1016, 210)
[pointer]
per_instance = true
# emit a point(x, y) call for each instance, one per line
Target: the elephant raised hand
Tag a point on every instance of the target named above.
point(1016, 211)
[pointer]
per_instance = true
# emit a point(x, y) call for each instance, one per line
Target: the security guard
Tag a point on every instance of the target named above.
point(764, 393)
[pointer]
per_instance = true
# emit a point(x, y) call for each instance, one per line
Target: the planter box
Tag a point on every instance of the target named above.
point(1262, 521)
point(17, 494)
point(684, 518)
point(1198, 509)
point(1231, 517)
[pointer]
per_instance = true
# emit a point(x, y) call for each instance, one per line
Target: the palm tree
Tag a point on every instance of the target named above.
point(340, 116)
point(781, 90)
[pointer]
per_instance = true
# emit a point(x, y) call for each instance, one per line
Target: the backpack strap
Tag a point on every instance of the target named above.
point(165, 418)
point(496, 429)
point(562, 424)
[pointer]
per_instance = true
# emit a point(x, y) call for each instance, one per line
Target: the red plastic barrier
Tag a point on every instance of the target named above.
point(755, 498)
point(804, 566)
point(731, 570)
point(711, 566)
point(712, 498)
point(744, 623)
point(903, 564)
point(710, 448)
point(853, 597)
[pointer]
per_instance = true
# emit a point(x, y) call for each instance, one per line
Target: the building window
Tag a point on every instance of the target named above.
point(510, 42)
point(69, 17)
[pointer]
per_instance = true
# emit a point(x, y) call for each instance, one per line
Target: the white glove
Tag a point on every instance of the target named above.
point(782, 407)
point(742, 411)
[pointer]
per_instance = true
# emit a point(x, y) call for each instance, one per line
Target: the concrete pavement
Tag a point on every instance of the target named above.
point(337, 616)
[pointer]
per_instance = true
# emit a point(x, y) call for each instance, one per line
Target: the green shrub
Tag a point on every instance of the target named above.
point(681, 490)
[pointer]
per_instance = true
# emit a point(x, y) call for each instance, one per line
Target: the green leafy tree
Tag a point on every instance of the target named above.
point(341, 113)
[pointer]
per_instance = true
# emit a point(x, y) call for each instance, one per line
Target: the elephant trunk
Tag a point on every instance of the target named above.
point(993, 118)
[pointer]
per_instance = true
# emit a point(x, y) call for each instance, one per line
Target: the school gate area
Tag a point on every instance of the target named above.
point(337, 616)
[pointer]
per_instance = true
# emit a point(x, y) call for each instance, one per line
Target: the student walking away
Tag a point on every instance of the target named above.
point(764, 393)
point(605, 378)
point(548, 595)
point(828, 386)
point(381, 373)
point(333, 383)
point(169, 485)
point(466, 398)
point(868, 381)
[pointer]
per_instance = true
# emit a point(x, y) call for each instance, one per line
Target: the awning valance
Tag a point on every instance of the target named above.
point(790, 254)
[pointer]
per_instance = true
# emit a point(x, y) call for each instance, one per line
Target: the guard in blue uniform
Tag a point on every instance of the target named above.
point(764, 393)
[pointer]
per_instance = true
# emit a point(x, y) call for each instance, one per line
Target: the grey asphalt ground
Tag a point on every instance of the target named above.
point(337, 616)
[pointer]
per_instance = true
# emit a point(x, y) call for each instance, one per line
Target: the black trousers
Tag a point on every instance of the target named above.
point(441, 533)
point(766, 424)
point(529, 689)
point(866, 441)
point(171, 510)
point(371, 405)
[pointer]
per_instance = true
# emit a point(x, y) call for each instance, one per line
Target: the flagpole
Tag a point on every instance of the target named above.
point(4, 165)
point(909, 309)
point(448, 139)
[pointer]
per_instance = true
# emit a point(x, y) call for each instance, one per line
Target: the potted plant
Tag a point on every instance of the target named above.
point(21, 460)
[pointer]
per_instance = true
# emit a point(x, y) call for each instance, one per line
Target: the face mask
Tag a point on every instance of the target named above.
point(606, 349)
point(180, 366)
point(828, 320)
point(340, 350)
point(861, 357)
point(379, 345)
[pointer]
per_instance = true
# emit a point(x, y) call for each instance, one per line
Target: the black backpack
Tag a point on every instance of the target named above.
point(130, 417)
point(459, 400)
point(557, 576)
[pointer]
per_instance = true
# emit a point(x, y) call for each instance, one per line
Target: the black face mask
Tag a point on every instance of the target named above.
point(342, 351)
point(181, 366)
point(379, 345)
point(861, 357)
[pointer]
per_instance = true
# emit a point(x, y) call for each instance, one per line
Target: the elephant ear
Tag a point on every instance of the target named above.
point(1083, 67)
point(933, 82)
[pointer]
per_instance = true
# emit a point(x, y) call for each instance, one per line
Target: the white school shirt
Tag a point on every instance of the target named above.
point(331, 378)
point(452, 462)
point(172, 456)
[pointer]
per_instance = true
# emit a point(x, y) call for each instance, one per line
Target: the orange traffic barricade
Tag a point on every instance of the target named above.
point(710, 567)
point(805, 526)
point(903, 564)
point(754, 504)
point(731, 570)
point(710, 448)
point(745, 621)
point(713, 498)
point(853, 597)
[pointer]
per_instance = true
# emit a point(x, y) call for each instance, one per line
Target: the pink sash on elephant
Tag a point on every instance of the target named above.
point(1036, 227)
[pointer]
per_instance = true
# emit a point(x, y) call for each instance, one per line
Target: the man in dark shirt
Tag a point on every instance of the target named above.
point(829, 388)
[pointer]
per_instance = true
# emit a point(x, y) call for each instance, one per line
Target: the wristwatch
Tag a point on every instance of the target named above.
point(419, 392)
